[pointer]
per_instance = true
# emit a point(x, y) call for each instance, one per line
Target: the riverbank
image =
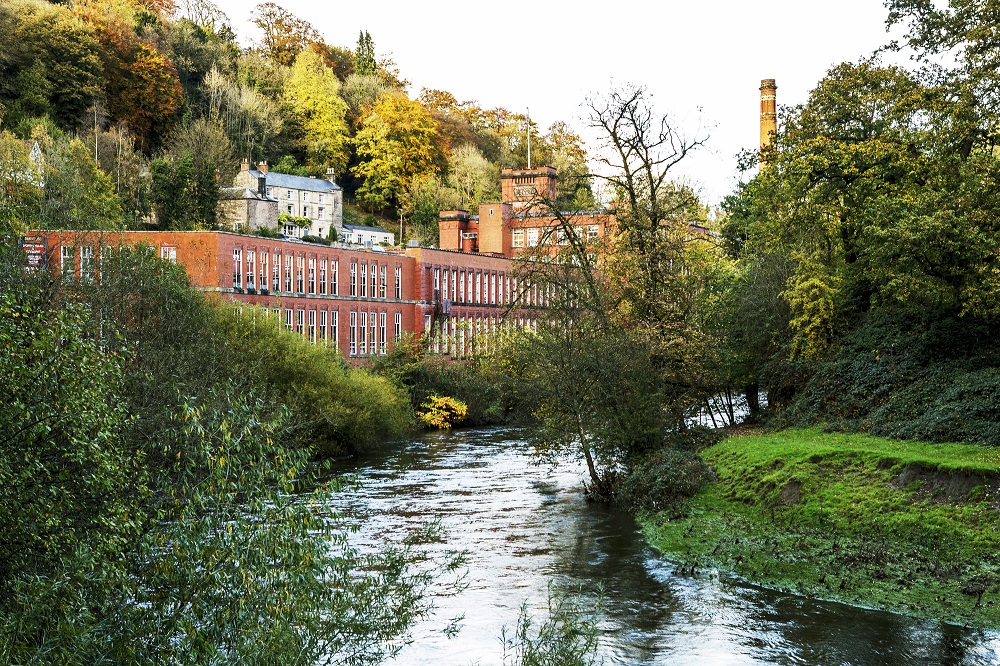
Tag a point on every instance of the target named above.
point(903, 526)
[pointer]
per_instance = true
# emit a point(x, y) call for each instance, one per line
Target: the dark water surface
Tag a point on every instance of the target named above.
point(525, 525)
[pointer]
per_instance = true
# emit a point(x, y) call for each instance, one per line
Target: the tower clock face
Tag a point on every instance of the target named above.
point(525, 191)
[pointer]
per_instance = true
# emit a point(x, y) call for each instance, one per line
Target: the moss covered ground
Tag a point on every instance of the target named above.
point(904, 526)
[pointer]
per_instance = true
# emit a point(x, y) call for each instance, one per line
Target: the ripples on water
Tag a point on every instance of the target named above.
point(525, 525)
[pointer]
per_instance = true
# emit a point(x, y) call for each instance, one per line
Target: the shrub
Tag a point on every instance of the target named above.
point(662, 480)
point(309, 238)
point(910, 374)
point(442, 412)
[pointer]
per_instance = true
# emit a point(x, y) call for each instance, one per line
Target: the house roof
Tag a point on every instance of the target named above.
point(359, 227)
point(275, 179)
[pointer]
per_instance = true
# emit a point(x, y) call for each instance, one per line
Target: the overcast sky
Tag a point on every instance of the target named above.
point(702, 60)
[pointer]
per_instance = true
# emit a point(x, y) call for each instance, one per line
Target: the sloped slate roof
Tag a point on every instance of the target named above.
point(275, 179)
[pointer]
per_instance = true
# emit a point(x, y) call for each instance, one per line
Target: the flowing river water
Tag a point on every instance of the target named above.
point(526, 526)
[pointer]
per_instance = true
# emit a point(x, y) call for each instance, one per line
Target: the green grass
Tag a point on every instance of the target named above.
point(900, 525)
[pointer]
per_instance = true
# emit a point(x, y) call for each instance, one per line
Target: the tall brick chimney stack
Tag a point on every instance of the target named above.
point(768, 115)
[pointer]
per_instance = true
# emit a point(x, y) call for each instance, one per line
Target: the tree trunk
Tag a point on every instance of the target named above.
point(752, 392)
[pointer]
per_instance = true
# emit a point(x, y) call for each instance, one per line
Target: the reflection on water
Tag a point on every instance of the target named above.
point(525, 525)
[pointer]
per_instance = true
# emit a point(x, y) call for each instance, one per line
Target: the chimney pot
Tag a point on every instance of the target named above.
point(245, 165)
point(262, 167)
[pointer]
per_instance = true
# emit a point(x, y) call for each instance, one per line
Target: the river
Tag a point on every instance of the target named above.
point(525, 525)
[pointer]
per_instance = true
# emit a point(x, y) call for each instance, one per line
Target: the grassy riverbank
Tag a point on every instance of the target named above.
point(905, 526)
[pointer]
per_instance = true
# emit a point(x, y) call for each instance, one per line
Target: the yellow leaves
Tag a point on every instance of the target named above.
point(812, 298)
point(442, 412)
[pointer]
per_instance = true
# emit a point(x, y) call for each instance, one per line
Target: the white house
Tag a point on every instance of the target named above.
point(355, 234)
point(321, 201)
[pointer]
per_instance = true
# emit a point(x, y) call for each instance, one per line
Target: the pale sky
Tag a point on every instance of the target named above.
point(702, 60)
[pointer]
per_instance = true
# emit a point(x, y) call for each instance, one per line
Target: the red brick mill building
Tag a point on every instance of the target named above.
point(356, 298)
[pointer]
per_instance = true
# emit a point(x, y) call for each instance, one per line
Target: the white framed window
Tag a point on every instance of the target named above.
point(300, 269)
point(397, 329)
point(321, 213)
point(312, 326)
point(322, 199)
point(334, 276)
point(288, 319)
point(334, 321)
point(312, 275)
point(300, 317)
point(322, 276)
point(364, 280)
point(533, 237)
point(269, 191)
point(352, 332)
point(381, 281)
point(305, 196)
point(322, 325)
point(354, 280)
point(288, 272)
point(290, 196)
point(381, 332)
point(517, 238)
point(169, 253)
point(87, 263)
point(305, 211)
point(237, 268)
point(363, 332)
point(251, 269)
point(399, 282)
point(593, 231)
point(372, 320)
point(374, 285)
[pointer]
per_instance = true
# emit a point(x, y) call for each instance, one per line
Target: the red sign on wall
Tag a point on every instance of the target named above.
point(34, 248)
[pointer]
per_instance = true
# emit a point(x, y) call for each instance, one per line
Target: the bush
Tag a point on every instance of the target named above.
point(487, 385)
point(309, 238)
point(662, 480)
point(442, 412)
point(908, 374)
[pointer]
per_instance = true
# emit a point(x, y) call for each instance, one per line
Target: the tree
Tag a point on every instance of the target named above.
point(195, 49)
point(206, 140)
point(125, 166)
point(396, 143)
point(184, 193)
point(473, 177)
point(141, 85)
point(251, 118)
point(361, 93)
point(876, 193)
point(619, 355)
point(51, 64)
point(312, 91)
point(422, 200)
point(364, 56)
point(569, 156)
point(284, 34)
point(153, 509)
point(77, 193)
point(20, 187)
